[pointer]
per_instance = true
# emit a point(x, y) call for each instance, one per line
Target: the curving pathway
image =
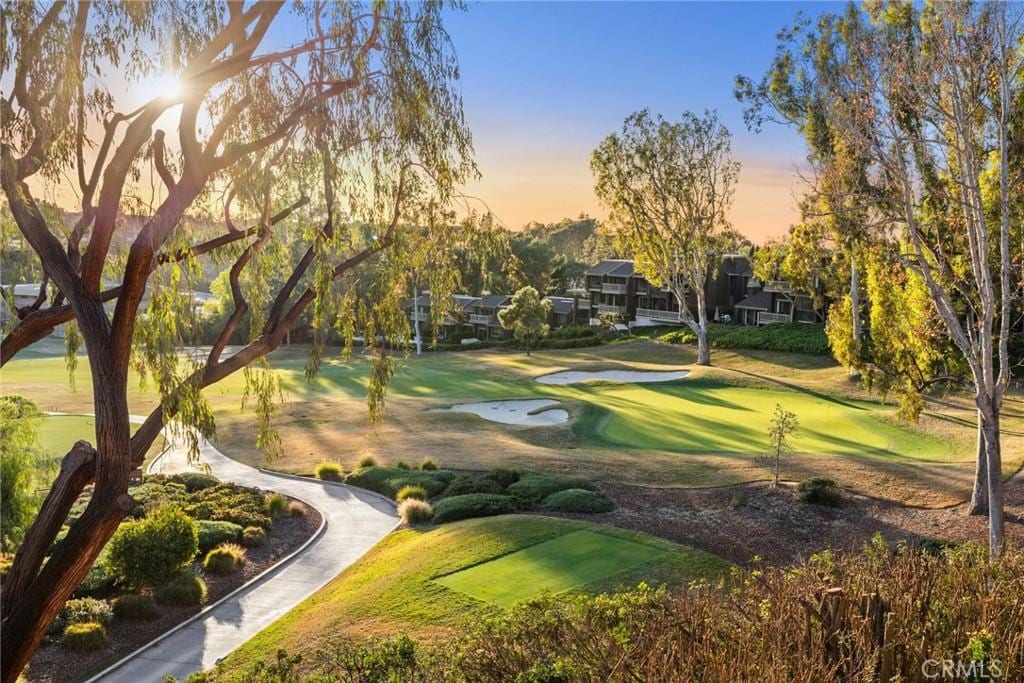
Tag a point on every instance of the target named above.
point(354, 520)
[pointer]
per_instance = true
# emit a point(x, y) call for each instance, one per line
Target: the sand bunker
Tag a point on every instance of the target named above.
point(618, 376)
point(514, 412)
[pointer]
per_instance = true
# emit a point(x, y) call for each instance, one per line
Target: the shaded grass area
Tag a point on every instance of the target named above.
point(563, 563)
point(392, 589)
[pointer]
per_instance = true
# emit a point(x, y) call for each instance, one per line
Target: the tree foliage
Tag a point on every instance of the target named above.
point(19, 461)
point(526, 317)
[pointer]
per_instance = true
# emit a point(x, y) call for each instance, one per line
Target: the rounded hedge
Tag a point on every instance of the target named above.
point(134, 606)
point(578, 500)
point(464, 484)
point(196, 481)
point(819, 491)
point(296, 509)
point(184, 589)
point(428, 465)
point(212, 534)
point(152, 550)
point(472, 505)
point(253, 536)
point(224, 559)
point(329, 471)
point(85, 637)
point(533, 488)
point(86, 610)
point(415, 511)
point(367, 461)
point(411, 491)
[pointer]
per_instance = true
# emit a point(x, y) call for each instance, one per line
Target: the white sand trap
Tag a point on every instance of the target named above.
point(618, 376)
point(514, 412)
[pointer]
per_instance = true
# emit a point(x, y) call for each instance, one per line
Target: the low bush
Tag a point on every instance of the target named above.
point(502, 478)
point(533, 488)
point(276, 505)
point(806, 338)
point(415, 511)
point(366, 461)
point(578, 500)
point(229, 503)
point(819, 491)
point(196, 481)
point(85, 610)
point(428, 465)
point(85, 637)
point(472, 505)
point(388, 480)
point(402, 465)
point(212, 534)
point(253, 536)
point(463, 484)
point(296, 509)
point(98, 583)
point(184, 589)
point(574, 331)
point(134, 606)
point(224, 559)
point(330, 471)
point(410, 491)
point(149, 551)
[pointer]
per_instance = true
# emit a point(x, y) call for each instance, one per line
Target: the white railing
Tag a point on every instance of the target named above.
point(766, 318)
point(607, 288)
point(612, 310)
point(478, 319)
point(662, 316)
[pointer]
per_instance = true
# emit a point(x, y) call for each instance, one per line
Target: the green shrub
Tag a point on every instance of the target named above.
point(819, 491)
point(253, 536)
point(472, 505)
point(578, 500)
point(150, 551)
point(410, 491)
point(212, 534)
point(502, 478)
point(98, 583)
point(196, 481)
point(276, 505)
point(134, 606)
point(428, 465)
point(388, 480)
point(330, 471)
point(224, 559)
point(402, 465)
point(415, 511)
point(296, 509)
point(229, 503)
point(85, 610)
point(366, 461)
point(533, 488)
point(574, 331)
point(806, 338)
point(184, 589)
point(464, 484)
point(85, 637)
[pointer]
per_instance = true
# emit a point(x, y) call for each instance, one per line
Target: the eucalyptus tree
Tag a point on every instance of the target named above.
point(526, 317)
point(927, 100)
point(668, 186)
point(318, 155)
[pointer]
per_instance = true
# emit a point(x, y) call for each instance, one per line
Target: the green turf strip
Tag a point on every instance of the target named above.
point(569, 561)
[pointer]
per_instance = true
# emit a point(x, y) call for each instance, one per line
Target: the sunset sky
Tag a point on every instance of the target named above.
point(543, 83)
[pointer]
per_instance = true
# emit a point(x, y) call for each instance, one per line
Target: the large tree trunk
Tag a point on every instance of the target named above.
point(995, 484)
point(979, 495)
point(416, 319)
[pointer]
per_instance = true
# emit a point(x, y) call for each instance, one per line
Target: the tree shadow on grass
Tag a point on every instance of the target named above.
point(803, 390)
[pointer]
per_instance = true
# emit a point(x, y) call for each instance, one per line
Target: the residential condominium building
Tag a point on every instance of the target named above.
point(477, 316)
point(732, 294)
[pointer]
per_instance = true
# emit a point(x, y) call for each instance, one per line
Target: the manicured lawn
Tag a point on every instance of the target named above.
point(393, 589)
point(57, 433)
point(558, 565)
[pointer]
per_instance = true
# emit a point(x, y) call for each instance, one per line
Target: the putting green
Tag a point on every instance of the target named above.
point(697, 416)
point(569, 561)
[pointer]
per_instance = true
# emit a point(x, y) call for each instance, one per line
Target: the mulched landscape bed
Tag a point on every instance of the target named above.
point(52, 663)
point(740, 523)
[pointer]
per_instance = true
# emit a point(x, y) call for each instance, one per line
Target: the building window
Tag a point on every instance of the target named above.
point(782, 306)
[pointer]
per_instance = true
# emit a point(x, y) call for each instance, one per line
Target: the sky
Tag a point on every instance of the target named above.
point(544, 82)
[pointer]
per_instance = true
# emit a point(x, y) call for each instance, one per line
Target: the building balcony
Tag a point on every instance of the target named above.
point(660, 316)
point(607, 309)
point(766, 318)
point(609, 288)
point(478, 319)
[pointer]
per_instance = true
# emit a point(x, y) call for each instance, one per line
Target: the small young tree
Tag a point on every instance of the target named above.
point(781, 427)
point(668, 186)
point(526, 317)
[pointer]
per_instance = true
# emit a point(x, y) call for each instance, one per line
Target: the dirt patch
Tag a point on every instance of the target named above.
point(741, 522)
point(53, 664)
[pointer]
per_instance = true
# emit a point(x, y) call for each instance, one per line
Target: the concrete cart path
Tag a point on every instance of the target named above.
point(355, 521)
